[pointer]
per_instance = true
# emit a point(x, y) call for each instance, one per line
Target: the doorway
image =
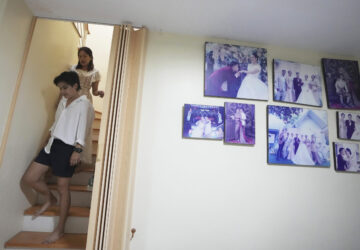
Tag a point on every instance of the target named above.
point(54, 49)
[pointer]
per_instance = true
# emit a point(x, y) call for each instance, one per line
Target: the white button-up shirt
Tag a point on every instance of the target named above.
point(72, 123)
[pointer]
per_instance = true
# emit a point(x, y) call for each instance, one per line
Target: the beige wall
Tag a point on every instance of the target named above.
point(99, 41)
point(53, 48)
point(2, 8)
point(15, 19)
point(202, 194)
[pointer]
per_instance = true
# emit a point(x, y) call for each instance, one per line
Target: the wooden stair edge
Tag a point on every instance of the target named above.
point(88, 169)
point(28, 239)
point(74, 211)
point(77, 188)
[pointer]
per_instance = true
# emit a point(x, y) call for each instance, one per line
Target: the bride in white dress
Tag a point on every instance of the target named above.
point(352, 165)
point(252, 87)
point(198, 129)
point(302, 156)
point(307, 95)
point(356, 134)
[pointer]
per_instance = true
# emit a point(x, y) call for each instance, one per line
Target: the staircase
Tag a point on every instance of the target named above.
point(35, 231)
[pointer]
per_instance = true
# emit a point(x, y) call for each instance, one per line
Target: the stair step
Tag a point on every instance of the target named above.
point(95, 135)
point(74, 224)
point(54, 211)
point(76, 188)
point(96, 124)
point(78, 199)
point(33, 240)
point(98, 114)
point(79, 178)
point(88, 169)
point(94, 149)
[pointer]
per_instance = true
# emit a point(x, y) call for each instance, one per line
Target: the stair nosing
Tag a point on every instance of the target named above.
point(58, 244)
point(75, 188)
point(50, 212)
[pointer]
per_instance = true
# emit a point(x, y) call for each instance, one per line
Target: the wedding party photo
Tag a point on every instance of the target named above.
point(239, 123)
point(297, 83)
point(346, 157)
point(235, 71)
point(342, 83)
point(203, 121)
point(298, 136)
point(348, 124)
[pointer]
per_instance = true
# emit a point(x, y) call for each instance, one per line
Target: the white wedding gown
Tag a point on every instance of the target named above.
point(353, 166)
point(252, 87)
point(356, 134)
point(198, 130)
point(306, 96)
point(302, 156)
point(342, 129)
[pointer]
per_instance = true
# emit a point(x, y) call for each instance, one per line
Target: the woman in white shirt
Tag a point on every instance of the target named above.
point(62, 153)
point(89, 78)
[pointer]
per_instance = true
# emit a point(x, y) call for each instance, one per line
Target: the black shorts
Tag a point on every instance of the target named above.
point(58, 159)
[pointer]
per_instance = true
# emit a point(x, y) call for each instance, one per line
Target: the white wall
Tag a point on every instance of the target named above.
point(53, 48)
point(202, 194)
point(99, 41)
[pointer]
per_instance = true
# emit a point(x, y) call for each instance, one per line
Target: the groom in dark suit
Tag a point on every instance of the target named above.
point(296, 143)
point(297, 85)
point(281, 144)
point(350, 126)
point(341, 163)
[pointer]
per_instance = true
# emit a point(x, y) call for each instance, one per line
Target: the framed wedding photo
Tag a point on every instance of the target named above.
point(239, 123)
point(342, 83)
point(298, 136)
point(297, 83)
point(235, 71)
point(348, 124)
point(203, 122)
point(346, 157)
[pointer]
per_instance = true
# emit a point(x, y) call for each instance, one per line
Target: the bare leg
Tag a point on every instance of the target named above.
point(63, 184)
point(33, 177)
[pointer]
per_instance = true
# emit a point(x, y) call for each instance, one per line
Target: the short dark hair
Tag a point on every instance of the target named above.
point(69, 77)
point(348, 149)
point(233, 63)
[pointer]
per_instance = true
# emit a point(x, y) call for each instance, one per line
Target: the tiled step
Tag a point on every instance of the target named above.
point(33, 240)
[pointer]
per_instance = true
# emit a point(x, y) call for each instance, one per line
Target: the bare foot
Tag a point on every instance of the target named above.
point(45, 206)
point(54, 236)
